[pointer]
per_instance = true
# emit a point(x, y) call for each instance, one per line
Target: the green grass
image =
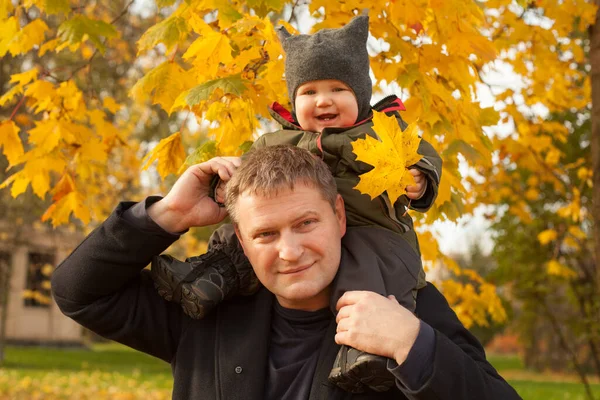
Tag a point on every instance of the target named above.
point(99, 373)
point(104, 372)
point(104, 357)
point(539, 386)
point(552, 390)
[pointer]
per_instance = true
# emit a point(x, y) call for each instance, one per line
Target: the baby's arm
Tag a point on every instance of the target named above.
point(430, 167)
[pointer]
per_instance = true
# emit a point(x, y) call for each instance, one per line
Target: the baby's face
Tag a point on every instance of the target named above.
point(324, 104)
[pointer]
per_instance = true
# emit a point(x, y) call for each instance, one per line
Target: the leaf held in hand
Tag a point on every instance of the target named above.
point(390, 157)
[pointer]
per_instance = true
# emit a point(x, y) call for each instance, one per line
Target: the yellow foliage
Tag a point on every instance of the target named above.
point(228, 71)
point(557, 269)
point(169, 32)
point(9, 28)
point(170, 155)
point(577, 233)
point(547, 236)
point(29, 36)
point(6, 7)
point(10, 142)
point(162, 85)
point(60, 211)
point(110, 104)
point(390, 157)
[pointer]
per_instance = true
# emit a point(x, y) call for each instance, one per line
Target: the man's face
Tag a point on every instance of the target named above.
point(293, 242)
point(325, 103)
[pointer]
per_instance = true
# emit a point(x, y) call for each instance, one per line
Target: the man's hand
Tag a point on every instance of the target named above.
point(375, 324)
point(188, 203)
point(416, 191)
point(220, 192)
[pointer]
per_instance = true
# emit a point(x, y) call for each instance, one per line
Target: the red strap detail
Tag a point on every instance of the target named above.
point(363, 121)
point(398, 105)
point(281, 110)
point(320, 145)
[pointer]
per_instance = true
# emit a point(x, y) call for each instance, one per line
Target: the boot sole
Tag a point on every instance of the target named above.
point(164, 281)
point(367, 372)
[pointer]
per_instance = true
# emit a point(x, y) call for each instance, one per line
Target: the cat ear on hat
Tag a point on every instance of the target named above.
point(283, 33)
point(358, 27)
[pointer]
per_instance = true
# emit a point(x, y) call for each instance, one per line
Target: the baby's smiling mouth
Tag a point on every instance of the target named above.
point(326, 117)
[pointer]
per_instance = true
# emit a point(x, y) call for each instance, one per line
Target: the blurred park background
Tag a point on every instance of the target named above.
point(102, 101)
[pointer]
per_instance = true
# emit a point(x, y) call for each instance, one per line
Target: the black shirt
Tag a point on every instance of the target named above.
point(296, 337)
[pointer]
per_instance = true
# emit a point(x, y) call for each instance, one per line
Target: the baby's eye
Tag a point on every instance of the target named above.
point(309, 92)
point(339, 89)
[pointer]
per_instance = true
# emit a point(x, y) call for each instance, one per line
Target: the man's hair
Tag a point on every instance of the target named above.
point(269, 170)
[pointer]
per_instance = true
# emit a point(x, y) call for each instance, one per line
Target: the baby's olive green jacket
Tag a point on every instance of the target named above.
point(334, 146)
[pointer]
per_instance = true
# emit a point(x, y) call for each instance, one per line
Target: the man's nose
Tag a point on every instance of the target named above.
point(290, 248)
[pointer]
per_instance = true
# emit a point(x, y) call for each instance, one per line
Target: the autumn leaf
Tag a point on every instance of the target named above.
point(169, 153)
point(547, 236)
point(204, 152)
point(164, 3)
point(212, 46)
point(232, 85)
point(6, 8)
point(555, 268)
point(29, 36)
point(79, 28)
point(163, 85)
point(57, 6)
point(169, 32)
point(390, 157)
point(10, 141)
point(110, 104)
point(72, 203)
point(9, 29)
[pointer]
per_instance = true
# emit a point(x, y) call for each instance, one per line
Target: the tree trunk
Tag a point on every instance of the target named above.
point(5, 275)
point(595, 137)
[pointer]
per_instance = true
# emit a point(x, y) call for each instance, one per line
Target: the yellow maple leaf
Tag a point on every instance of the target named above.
point(10, 141)
point(164, 84)
point(9, 28)
point(213, 46)
point(547, 236)
point(31, 35)
point(555, 268)
point(170, 155)
point(63, 187)
point(390, 156)
point(111, 105)
point(59, 212)
point(6, 8)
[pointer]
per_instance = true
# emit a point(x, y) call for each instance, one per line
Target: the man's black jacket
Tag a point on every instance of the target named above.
point(102, 286)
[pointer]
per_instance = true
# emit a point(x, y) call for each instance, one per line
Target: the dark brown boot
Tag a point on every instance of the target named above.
point(200, 283)
point(355, 371)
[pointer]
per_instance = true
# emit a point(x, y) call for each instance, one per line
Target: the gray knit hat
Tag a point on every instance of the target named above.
point(331, 54)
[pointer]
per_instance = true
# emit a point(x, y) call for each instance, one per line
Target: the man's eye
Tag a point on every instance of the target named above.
point(308, 222)
point(265, 234)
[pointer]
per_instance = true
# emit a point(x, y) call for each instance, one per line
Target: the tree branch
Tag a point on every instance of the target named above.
point(16, 109)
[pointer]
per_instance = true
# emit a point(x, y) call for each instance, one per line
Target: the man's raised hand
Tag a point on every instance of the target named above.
point(188, 203)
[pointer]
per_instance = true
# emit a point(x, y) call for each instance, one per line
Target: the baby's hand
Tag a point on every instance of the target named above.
point(416, 191)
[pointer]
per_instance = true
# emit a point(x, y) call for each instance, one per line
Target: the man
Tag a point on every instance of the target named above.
point(280, 342)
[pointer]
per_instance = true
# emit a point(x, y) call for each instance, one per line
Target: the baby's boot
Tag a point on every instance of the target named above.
point(355, 370)
point(202, 282)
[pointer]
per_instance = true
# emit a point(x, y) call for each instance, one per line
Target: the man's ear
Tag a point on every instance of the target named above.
point(239, 236)
point(340, 213)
